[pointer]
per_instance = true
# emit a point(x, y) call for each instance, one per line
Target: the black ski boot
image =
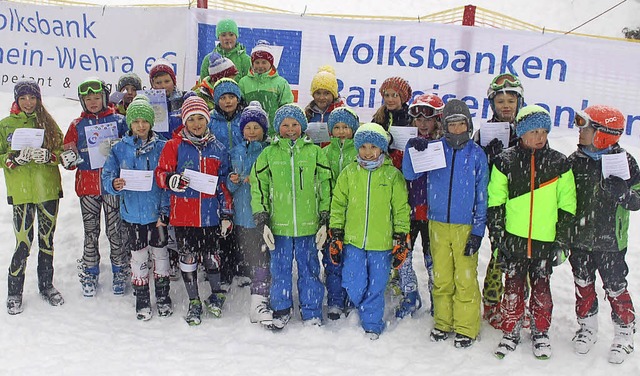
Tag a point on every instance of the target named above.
point(143, 303)
point(163, 300)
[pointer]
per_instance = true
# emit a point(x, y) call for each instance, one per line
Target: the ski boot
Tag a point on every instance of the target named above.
point(194, 313)
point(622, 344)
point(88, 279)
point(163, 300)
point(259, 311)
point(507, 344)
point(14, 304)
point(143, 303)
point(52, 296)
point(120, 276)
point(541, 345)
point(280, 319)
point(587, 335)
point(462, 342)
point(214, 303)
point(438, 335)
point(409, 305)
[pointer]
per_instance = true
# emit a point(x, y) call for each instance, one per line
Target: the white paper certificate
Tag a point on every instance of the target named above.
point(23, 137)
point(432, 158)
point(137, 180)
point(158, 100)
point(401, 135)
point(95, 135)
point(489, 131)
point(201, 182)
point(616, 165)
point(318, 132)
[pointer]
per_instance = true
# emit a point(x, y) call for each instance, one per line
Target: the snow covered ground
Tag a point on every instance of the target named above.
point(101, 336)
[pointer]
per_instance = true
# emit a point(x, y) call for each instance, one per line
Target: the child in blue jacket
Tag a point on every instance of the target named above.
point(144, 212)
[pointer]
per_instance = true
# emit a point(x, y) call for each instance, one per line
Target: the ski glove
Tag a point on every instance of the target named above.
point(616, 187)
point(335, 245)
point(560, 252)
point(473, 245)
point(177, 182)
point(226, 226)
point(400, 249)
point(69, 158)
point(494, 148)
point(418, 143)
point(25, 156)
point(41, 155)
point(321, 235)
point(262, 219)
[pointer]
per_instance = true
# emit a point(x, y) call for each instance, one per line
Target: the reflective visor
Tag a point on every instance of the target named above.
point(583, 120)
point(504, 80)
point(88, 87)
point(425, 111)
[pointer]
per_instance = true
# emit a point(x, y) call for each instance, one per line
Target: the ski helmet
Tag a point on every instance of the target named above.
point(607, 121)
point(426, 105)
point(506, 83)
point(93, 85)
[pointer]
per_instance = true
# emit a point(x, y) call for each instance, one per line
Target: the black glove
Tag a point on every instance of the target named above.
point(177, 182)
point(324, 218)
point(261, 219)
point(164, 219)
point(494, 148)
point(401, 246)
point(336, 241)
point(473, 245)
point(501, 252)
point(560, 252)
point(418, 143)
point(616, 187)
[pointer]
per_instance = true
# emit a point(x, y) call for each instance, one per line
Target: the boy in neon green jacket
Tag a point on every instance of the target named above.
point(369, 204)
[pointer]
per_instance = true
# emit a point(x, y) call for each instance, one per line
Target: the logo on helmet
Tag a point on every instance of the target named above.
point(610, 120)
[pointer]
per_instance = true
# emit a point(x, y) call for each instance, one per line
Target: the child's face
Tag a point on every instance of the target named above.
point(140, 128)
point(227, 40)
point(392, 100)
point(457, 127)
point(163, 81)
point(342, 131)
point(129, 93)
point(261, 66)
point(93, 102)
point(505, 105)
point(290, 128)
point(425, 125)
point(253, 132)
point(228, 103)
point(323, 98)
point(197, 124)
point(586, 136)
point(535, 139)
point(27, 103)
point(369, 152)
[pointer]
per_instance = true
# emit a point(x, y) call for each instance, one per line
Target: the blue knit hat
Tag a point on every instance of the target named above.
point(532, 117)
point(225, 86)
point(343, 115)
point(371, 133)
point(290, 111)
point(254, 112)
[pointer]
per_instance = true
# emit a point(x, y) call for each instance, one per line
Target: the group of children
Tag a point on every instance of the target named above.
point(240, 190)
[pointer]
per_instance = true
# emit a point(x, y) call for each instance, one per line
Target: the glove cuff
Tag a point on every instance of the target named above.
point(336, 233)
point(261, 219)
point(324, 218)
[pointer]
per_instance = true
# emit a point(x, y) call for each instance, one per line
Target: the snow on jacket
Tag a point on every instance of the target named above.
point(226, 130)
point(243, 157)
point(601, 223)
point(132, 154)
point(270, 89)
point(238, 55)
point(88, 179)
point(292, 182)
point(456, 193)
point(520, 212)
point(192, 208)
point(31, 183)
point(370, 206)
point(339, 155)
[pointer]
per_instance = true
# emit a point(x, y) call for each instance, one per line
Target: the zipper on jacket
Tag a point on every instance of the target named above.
point(366, 212)
point(341, 158)
point(293, 186)
point(453, 165)
point(532, 170)
point(230, 135)
point(202, 162)
point(300, 173)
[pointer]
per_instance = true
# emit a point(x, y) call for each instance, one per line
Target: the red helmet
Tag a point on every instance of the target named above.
point(607, 121)
point(426, 105)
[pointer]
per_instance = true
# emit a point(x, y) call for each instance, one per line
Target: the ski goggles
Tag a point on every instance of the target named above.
point(90, 86)
point(583, 120)
point(505, 80)
point(424, 111)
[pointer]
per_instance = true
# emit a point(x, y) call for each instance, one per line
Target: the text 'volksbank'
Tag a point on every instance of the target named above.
point(35, 24)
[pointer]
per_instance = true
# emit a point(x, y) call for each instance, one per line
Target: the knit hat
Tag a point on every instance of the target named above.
point(227, 26)
point(532, 117)
point(372, 133)
point(225, 86)
point(26, 86)
point(290, 111)
point(129, 79)
point(343, 115)
point(162, 66)
point(400, 85)
point(454, 110)
point(140, 109)
point(325, 79)
point(254, 112)
point(262, 50)
point(195, 105)
point(221, 67)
